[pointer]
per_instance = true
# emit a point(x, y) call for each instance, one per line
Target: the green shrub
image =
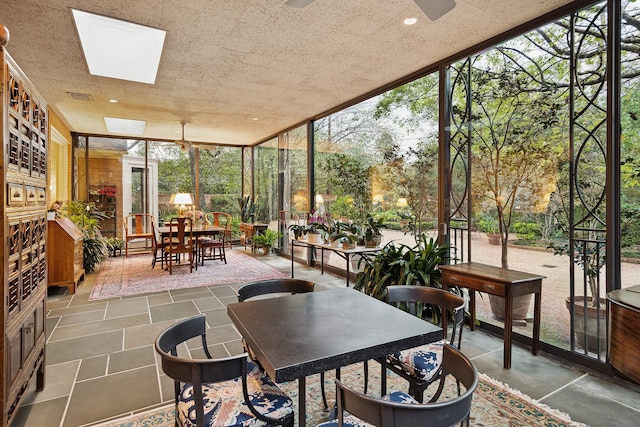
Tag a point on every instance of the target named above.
point(526, 230)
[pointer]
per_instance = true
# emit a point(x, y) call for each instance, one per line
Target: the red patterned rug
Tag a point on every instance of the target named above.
point(122, 276)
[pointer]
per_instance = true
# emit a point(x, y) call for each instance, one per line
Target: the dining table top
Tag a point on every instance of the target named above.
point(294, 336)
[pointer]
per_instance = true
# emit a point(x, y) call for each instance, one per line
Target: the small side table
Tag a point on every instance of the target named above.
point(501, 282)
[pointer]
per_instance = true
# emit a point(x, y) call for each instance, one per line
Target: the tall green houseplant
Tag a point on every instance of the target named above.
point(87, 218)
point(403, 265)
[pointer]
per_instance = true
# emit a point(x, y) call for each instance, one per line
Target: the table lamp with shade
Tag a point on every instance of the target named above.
point(182, 200)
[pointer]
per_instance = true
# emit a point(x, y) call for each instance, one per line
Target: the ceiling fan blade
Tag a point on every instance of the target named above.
point(298, 3)
point(435, 9)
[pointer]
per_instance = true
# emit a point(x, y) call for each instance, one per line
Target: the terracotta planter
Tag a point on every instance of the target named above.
point(520, 306)
point(493, 239)
point(374, 242)
point(593, 330)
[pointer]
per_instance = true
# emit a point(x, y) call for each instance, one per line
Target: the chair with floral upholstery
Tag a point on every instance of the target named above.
point(422, 365)
point(223, 392)
point(399, 409)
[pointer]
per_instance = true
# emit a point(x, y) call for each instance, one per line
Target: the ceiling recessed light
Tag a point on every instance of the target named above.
point(254, 118)
point(410, 21)
point(119, 49)
point(113, 101)
point(125, 126)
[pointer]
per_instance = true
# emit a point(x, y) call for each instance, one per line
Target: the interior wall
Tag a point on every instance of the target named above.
point(59, 160)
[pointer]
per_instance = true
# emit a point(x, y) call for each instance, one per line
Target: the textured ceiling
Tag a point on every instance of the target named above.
point(227, 61)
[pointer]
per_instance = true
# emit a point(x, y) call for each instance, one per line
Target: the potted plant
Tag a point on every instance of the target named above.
point(266, 240)
point(316, 223)
point(372, 232)
point(489, 226)
point(403, 265)
point(115, 245)
point(87, 218)
point(347, 234)
point(299, 231)
point(592, 334)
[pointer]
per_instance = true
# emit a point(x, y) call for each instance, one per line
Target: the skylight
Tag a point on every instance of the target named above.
point(125, 126)
point(119, 49)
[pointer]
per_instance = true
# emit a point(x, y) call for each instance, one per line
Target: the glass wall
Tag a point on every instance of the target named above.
point(293, 171)
point(265, 181)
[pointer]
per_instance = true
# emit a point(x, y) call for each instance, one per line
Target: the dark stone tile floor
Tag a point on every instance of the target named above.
point(101, 362)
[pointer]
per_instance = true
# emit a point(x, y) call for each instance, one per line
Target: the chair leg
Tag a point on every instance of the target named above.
point(366, 376)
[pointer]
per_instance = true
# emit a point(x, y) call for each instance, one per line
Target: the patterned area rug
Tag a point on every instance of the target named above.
point(494, 404)
point(122, 276)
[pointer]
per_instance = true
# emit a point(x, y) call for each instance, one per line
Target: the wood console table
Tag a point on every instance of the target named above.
point(501, 282)
point(624, 324)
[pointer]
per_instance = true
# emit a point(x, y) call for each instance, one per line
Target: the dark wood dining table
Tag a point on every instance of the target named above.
point(295, 336)
point(204, 230)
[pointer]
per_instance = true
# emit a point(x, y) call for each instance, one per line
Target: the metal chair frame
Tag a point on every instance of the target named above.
point(200, 371)
point(385, 413)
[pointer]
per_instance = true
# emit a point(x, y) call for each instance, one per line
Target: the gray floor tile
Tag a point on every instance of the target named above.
point(193, 295)
point(223, 291)
point(83, 347)
point(178, 310)
point(144, 335)
point(208, 303)
point(592, 408)
point(118, 394)
point(161, 298)
point(85, 317)
point(93, 367)
point(131, 359)
point(139, 305)
point(217, 317)
point(536, 376)
point(98, 305)
point(90, 328)
point(41, 414)
point(59, 381)
point(222, 334)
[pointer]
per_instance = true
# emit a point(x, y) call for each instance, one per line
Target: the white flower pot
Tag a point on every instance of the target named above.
point(314, 238)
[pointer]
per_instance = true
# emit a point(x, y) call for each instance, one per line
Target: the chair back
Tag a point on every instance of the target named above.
point(187, 370)
point(138, 224)
point(385, 413)
point(180, 235)
point(274, 286)
point(450, 307)
point(195, 371)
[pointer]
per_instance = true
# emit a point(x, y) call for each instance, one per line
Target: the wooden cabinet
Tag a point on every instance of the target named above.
point(23, 180)
point(65, 249)
point(624, 331)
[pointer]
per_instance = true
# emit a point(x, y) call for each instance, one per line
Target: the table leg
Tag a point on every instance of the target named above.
point(535, 343)
point(508, 323)
point(321, 260)
point(292, 245)
point(302, 402)
point(348, 265)
point(472, 309)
